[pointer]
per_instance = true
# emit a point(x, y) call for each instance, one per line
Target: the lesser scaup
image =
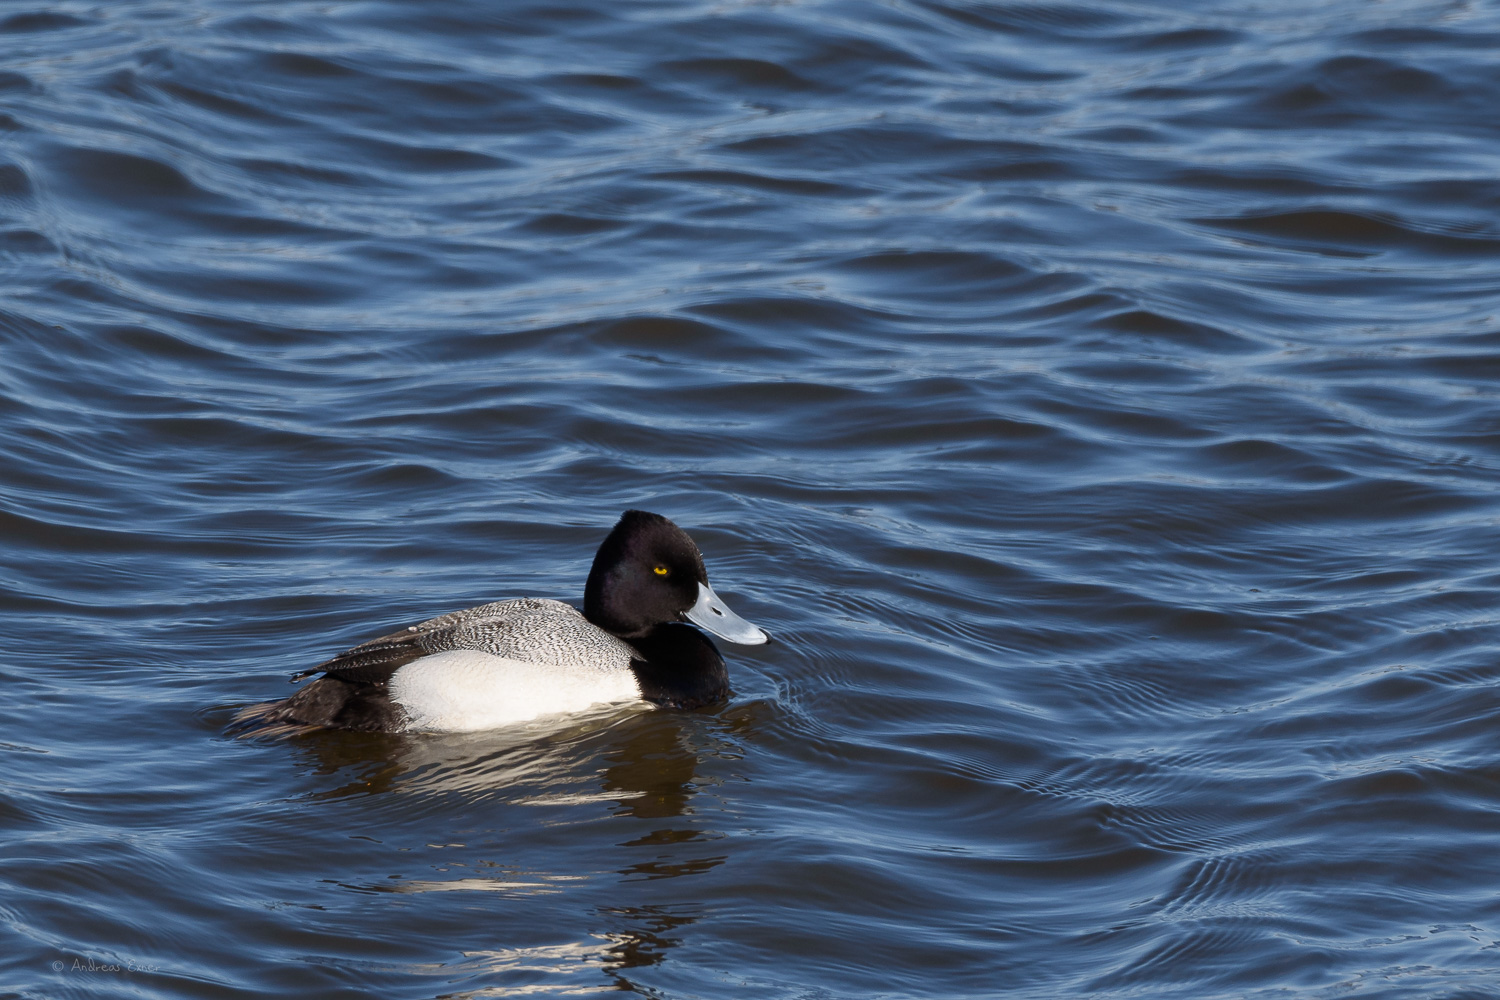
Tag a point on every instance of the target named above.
point(515, 660)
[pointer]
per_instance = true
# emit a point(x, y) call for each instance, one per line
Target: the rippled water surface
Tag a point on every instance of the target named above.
point(1097, 401)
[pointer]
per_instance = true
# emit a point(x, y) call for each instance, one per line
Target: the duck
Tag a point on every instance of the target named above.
point(638, 638)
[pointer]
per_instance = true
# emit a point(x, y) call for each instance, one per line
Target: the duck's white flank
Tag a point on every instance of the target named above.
point(462, 690)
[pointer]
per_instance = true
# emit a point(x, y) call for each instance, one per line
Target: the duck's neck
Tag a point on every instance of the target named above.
point(679, 666)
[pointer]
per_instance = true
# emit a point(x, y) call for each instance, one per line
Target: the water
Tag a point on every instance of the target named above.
point(1097, 401)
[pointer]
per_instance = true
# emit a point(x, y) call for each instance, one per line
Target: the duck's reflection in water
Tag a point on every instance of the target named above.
point(641, 771)
point(654, 775)
point(645, 939)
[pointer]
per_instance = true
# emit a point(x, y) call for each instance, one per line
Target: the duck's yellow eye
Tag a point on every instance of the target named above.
point(659, 570)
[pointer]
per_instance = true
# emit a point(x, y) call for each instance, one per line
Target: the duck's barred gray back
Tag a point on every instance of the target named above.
point(530, 629)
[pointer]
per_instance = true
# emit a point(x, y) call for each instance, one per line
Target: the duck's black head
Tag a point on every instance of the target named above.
point(647, 573)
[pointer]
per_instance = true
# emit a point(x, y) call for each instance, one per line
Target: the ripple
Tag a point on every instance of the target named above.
point(1352, 234)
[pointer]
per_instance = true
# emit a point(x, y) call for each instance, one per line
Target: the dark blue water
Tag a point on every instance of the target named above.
point(1099, 402)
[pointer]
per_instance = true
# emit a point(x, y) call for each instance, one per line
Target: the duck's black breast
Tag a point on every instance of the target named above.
point(679, 667)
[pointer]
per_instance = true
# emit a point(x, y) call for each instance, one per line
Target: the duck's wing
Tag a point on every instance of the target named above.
point(530, 629)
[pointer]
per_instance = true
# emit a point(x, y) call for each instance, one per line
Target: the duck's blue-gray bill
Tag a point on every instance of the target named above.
point(713, 615)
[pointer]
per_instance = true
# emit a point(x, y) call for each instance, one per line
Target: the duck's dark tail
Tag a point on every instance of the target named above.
point(326, 703)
